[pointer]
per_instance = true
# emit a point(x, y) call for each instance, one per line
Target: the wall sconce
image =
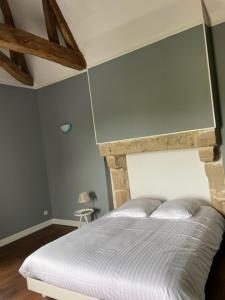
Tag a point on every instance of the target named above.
point(66, 127)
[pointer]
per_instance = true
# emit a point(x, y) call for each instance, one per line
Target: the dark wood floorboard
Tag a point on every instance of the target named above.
point(215, 286)
point(13, 285)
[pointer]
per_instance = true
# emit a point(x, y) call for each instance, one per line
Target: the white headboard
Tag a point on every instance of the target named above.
point(168, 175)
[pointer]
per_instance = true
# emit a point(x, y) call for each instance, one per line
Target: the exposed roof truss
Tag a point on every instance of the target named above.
point(20, 42)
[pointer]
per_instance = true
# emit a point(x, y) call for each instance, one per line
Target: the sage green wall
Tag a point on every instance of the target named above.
point(73, 161)
point(24, 193)
point(161, 88)
point(218, 37)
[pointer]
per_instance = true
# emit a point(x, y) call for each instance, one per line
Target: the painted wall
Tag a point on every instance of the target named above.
point(24, 191)
point(218, 37)
point(168, 175)
point(161, 88)
point(73, 160)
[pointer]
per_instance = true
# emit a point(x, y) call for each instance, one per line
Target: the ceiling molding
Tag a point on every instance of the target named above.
point(149, 42)
point(53, 81)
point(217, 21)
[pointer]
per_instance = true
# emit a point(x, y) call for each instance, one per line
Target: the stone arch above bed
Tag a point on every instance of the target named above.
point(206, 140)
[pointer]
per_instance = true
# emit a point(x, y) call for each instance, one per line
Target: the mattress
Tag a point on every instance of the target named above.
point(122, 258)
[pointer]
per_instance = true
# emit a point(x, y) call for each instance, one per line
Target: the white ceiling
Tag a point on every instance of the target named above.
point(105, 29)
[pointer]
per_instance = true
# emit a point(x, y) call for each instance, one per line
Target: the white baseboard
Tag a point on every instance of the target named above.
point(21, 234)
point(24, 233)
point(65, 222)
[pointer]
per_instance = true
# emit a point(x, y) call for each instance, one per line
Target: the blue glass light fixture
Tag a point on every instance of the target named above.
point(66, 127)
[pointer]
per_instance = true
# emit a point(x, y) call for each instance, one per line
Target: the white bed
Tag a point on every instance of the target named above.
point(132, 258)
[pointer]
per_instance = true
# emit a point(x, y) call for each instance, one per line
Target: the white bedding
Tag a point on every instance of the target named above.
point(133, 258)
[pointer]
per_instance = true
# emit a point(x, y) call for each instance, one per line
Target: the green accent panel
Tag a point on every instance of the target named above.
point(161, 88)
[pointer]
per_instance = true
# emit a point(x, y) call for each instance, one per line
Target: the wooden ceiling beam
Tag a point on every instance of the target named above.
point(50, 21)
point(20, 42)
point(24, 42)
point(7, 13)
point(18, 58)
point(13, 69)
point(63, 26)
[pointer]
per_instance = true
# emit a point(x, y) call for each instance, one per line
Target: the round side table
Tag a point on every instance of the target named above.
point(83, 213)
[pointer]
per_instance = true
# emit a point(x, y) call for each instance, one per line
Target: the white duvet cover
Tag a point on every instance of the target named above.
point(133, 258)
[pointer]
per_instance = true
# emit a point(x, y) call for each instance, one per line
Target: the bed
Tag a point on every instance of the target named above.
point(125, 258)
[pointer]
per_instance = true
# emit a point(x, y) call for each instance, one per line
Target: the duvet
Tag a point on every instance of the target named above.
point(125, 258)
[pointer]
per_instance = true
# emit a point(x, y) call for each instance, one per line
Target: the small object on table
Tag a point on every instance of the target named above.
point(83, 213)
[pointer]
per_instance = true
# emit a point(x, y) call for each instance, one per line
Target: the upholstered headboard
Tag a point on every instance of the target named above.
point(206, 141)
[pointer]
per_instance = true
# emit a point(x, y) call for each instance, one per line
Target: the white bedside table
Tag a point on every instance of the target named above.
point(83, 213)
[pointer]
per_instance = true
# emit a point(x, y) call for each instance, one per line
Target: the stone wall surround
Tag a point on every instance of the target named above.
point(119, 178)
point(214, 170)
point(206, 140)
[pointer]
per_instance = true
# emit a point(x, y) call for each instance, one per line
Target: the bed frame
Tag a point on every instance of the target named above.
point(54, 292)
point(206, 140)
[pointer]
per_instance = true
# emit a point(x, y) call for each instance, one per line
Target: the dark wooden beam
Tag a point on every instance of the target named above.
point(18, 58)
point(13, 69)
point(50, 21)
point(25, 42)
point(63, 26)
point(7, 13)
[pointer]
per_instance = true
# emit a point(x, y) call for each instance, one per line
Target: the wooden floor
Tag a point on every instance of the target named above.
point(13, 285)
point(215, 287)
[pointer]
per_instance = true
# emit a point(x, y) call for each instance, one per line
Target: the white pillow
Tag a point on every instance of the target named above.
point(176, 209)
point(136, 208)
